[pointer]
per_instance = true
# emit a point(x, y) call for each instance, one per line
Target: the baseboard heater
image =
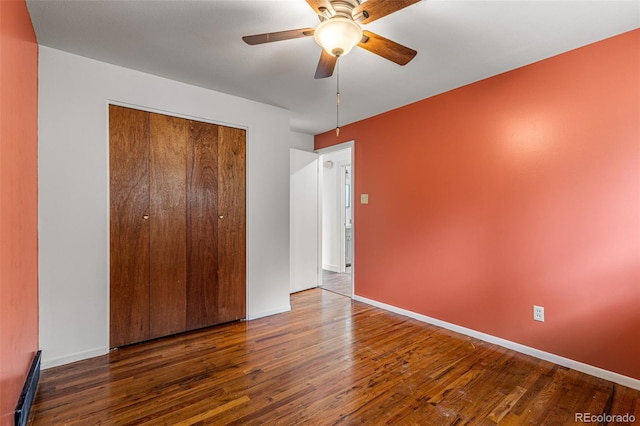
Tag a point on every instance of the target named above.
point(28, 392)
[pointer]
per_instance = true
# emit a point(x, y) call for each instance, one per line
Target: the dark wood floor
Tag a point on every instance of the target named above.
point(330, 360)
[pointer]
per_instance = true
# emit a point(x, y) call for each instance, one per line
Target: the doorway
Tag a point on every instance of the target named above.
point(336, 207)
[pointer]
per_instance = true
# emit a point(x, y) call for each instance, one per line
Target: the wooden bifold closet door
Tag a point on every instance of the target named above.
point(177, 236)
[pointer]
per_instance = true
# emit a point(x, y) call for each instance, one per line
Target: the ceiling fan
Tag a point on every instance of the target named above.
point(340, 30)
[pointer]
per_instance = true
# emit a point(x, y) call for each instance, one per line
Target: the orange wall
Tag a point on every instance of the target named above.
point(18, 202)
point(517, 190)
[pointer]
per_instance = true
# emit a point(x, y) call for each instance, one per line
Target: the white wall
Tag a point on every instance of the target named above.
point(301, 141)
point(74, 193)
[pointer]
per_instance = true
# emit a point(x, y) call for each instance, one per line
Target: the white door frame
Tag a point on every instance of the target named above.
point(320, 152)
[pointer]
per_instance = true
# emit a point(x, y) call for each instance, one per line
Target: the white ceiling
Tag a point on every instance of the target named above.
point(199, 42)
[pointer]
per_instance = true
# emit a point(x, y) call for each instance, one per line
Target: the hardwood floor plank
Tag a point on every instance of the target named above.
point(625, 401)
point(330, 360)
point(505, 404)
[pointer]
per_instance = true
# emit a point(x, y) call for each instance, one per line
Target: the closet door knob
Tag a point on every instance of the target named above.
point(221, 217)
point(145, 216)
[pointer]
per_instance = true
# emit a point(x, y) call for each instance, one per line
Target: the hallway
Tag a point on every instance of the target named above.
point(337, 282)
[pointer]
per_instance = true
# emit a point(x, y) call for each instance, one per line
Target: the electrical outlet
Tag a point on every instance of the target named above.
point(538, 313)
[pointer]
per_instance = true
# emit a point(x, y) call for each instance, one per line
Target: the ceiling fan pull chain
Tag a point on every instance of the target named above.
point(338, 97)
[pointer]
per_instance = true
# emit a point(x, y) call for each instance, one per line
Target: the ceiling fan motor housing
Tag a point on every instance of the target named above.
point(339, 33)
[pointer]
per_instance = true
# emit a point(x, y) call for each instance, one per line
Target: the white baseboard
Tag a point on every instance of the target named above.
point(256, 315)
point(67, 359)
point(79, 356)
point(332, 268)
point(556, 359)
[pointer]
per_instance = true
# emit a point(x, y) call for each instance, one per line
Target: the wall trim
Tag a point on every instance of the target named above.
point(78, 356)
point(257, 315)
point(331, 267)
point(170, 113)
point(527, 350)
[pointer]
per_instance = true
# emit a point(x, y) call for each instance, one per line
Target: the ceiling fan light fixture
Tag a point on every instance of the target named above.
point(338, 35)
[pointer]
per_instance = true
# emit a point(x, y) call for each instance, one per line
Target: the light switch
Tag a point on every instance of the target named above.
point(364, 198)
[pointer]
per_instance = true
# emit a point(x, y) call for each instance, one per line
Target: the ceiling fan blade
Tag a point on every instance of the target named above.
point(326, 65)
point(322, 8)
point(278, 36)
point(386, 48)
point(371, 10)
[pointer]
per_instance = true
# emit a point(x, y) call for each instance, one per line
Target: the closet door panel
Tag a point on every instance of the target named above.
point(232, 225)
point(167, 221)
point(202, 225)
point(177, 204)
point(129, 230)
